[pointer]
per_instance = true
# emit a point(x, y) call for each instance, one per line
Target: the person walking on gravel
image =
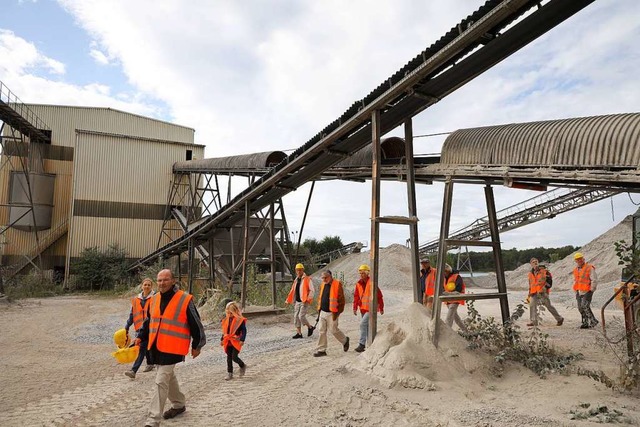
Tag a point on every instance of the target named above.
point(234, 332)
point(585, 283)
point(540, 282)
point(171, 325)
point(330, 306)
point(301, 296)
point(362, 300)
point(453, 283)
point(137, 315)
point(427, 282)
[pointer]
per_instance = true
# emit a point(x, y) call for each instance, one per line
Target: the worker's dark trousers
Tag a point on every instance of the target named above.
point(584, 306)
point(232, 356)
point(141, 355)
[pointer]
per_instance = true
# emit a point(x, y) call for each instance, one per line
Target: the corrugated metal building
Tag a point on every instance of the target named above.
point(112, 170)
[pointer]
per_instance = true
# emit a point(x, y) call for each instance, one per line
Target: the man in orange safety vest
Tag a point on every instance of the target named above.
point(330, 306)
point(584, 284)
point(301, 296)
point(540, 282)
point(172, 324)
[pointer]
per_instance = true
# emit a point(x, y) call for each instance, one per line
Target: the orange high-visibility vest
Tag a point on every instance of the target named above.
point(430, 283)
point(452, 279)
point(305, 294)
point(582, 278)
point(365, 296)
point(333, 296)
point(170, 331)
point(139, 312)
point(537, 281)
point(231, 337)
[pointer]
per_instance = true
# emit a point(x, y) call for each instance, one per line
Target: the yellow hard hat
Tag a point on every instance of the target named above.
point(126, 355)
point(364, 267)
point(121, 338)
point(450, 287)
point(299, 266)
point(578, 255)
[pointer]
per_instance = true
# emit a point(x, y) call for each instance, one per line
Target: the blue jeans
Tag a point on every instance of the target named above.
point(364, 328)
point(141, 355)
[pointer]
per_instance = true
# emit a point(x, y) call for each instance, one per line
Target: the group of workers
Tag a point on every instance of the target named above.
point(330, 305)
point(168, 325)
point(540, 282)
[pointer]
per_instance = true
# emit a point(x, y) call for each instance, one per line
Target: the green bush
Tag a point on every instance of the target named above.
point(507, 343)
point(98, 269)
point(32, 285)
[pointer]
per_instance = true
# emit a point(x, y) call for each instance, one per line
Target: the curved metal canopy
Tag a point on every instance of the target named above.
point(585, 142)
point(257, 161)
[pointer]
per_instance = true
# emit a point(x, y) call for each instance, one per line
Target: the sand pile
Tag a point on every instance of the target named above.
point(394, 270)
point(404, 355)
point(600, 252)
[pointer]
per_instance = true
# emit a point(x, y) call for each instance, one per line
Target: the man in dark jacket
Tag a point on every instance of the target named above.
point(172, 323)
point(330, 305)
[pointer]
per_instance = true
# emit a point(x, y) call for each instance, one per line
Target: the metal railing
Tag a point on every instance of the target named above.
point(9, 98)
point(37, 249)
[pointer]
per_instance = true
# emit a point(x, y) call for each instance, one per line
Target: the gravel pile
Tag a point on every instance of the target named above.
point(394, 269)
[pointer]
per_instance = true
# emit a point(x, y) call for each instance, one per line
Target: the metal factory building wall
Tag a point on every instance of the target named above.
point(112, 172)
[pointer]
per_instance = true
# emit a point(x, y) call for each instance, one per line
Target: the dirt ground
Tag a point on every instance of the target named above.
point(56, 369)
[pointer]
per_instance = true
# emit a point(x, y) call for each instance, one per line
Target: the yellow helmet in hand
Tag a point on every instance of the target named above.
point(121, 338)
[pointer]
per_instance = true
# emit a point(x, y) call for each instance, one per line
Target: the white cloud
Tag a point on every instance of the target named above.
point(26, 72)
point(254, 76)
point(20, 56)
point(99, 57)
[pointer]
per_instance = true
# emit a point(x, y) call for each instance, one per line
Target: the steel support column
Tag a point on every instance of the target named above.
point(375, 225)
point(497, 252)
point(212, 263)
point(442, 256)
point(304, 219)
point(192, 260)
point(245, 257)
point(272, 236)
point(179, 270)
point(413, 210)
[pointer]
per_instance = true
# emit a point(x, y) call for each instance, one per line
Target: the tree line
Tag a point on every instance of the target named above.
point(512, 258)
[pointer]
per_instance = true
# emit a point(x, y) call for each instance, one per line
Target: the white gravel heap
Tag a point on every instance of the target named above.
point(403, 354)
point(394, 271)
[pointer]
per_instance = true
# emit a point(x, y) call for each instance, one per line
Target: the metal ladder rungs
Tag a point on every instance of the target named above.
point(458, 242)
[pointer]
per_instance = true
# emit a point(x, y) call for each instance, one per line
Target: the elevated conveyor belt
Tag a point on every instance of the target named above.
point(474, 45)
point(543, 206)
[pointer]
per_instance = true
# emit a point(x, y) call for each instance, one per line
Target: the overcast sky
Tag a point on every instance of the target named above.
point(254, 76)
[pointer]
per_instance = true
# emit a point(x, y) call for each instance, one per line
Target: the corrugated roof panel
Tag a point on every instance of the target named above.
point(610, 141)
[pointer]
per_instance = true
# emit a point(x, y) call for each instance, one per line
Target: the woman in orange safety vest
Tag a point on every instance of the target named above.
point(139, 309)
point(453, 283)
point(234, 332)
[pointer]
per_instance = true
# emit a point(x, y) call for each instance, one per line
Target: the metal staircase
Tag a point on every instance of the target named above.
point(45, 242)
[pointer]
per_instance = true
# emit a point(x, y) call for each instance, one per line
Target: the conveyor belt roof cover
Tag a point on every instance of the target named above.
point(259, 161)
point(612, 140)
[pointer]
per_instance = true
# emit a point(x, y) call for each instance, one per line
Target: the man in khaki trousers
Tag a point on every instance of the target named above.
point(330, 306)
point(172, 326)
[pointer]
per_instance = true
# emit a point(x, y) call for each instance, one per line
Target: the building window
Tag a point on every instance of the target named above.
point(189, 154)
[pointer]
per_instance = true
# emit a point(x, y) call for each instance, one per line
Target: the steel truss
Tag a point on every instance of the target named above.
point(22, 136)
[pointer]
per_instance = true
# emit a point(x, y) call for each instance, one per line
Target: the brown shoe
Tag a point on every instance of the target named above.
point(530, 324)
point(173, 412)
point(560, 322)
